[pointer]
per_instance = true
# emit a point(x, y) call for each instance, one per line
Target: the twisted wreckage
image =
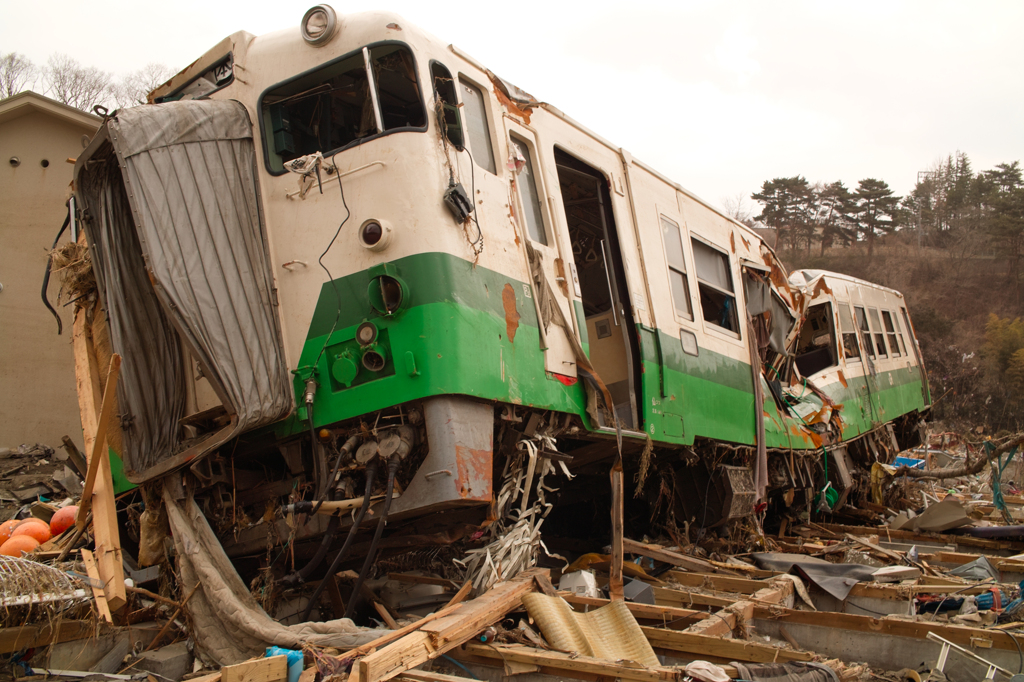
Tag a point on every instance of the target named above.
point(376, 306)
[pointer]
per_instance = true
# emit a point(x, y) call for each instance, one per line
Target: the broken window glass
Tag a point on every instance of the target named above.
point(879, 335)
point(714, 283)
point(531, 195)
point(865, 331)
point(333, 107)
point(446, 104)
point(477, 128)
point(899, 333)
point(850, 348)
point(676, 267)
point(816, 349)
point(890, 331)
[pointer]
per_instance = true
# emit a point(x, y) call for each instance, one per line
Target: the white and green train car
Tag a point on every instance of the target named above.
point(349, 243)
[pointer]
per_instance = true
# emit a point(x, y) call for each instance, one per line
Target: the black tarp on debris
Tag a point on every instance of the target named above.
point(836, 579)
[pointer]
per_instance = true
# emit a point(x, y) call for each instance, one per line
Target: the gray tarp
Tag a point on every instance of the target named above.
point(228, 625)
point(190, 172)
point(836, 579)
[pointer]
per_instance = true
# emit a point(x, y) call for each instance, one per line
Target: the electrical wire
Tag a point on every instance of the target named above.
point(472, 184)
point(320, 260)
point(371, 555)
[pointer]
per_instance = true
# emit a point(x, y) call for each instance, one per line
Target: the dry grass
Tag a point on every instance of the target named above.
point(71, 263)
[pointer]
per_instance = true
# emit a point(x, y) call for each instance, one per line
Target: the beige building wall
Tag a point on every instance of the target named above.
point(38, 400)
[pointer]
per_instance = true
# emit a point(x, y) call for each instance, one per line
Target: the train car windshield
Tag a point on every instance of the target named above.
point(366, 93)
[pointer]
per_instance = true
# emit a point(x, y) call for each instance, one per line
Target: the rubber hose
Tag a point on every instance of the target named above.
point(371, 556)
point(319, 460)
point(302, 575)
point(371, 475)
point(347, 448)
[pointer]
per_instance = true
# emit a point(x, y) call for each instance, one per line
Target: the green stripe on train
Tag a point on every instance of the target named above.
point(452, 337)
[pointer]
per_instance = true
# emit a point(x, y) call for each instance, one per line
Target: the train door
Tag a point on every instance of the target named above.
point(540, 247)
point(600, 282)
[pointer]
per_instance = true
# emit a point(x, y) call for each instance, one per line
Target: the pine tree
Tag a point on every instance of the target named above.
point(877, 209)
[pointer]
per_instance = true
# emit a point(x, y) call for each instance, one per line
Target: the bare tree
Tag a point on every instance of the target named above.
point(17, 73)
point(82, 87)
point(135, 87)
point(738, 208)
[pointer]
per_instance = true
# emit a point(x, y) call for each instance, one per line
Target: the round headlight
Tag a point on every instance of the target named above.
point(375, 235)
point(319, 24)
point(366, 333)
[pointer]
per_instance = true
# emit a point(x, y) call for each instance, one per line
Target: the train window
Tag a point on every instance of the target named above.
point(899, 333)
point(850, 348)
point(531, 194)
point(816, 346)
point(333, 107)
point(879, 335)
point(476, 124)
point(447, 104)
point(865, 331)
point(714, 283)
point(676, 267)
point(890, 331)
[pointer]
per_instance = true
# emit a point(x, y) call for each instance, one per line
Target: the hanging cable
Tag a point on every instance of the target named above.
point(46, 276)
point(371, 555)
point(371, 474)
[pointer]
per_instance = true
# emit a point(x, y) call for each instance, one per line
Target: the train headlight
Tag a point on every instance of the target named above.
point(319, 24)
point(375, 235)
point(366, 333)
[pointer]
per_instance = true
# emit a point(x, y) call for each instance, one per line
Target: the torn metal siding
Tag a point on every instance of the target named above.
point(188, 176)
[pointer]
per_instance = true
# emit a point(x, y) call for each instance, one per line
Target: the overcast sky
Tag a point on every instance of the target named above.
point(719, 96)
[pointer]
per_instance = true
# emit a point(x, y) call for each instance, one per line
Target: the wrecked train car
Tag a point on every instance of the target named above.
point(349, 259)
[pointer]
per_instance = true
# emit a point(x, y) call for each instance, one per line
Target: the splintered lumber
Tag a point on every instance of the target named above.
point(99, 443)
point(384, 640)
point(92, 406)
point(658, 554)
point(97, 592)
point(461, 594)
point(272, 669)
point(444, 634)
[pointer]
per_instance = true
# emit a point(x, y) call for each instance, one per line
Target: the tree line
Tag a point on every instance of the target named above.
point(951, 208)
point(83, 87)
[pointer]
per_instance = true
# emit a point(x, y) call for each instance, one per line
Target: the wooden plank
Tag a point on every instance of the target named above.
point(838, 622)
point(658, 554)
point(97, 592)
point(642, 611)
point(544, 583)
point(723, 583)
point(557, 659)
point(99, 443)
point(104, 513)
point(668, 597)
point(384, 640)
point(29, 636)
point(383, 613)
point(443, 634)
point(463, 592)
point(428, 676)
point(272, 669)
point(911, 536)
point(729, 649)
point(615, 575)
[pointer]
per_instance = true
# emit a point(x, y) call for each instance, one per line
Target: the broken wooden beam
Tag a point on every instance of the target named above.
point(437, 637)
point(271, 669)
point(658, 554)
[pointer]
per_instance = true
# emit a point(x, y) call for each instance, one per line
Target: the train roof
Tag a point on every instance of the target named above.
point(808, 276)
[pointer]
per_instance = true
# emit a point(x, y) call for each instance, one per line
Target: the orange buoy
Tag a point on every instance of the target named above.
point(39, 531)
point(18, 544)
point(63, 519)
point(6, 528)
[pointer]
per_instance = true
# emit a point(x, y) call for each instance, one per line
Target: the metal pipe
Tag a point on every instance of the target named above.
point(608, 276)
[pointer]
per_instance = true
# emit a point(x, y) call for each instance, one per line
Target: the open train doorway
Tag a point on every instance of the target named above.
point(613, 344)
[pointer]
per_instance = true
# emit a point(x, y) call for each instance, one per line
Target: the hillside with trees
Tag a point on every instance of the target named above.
point(953, 247)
